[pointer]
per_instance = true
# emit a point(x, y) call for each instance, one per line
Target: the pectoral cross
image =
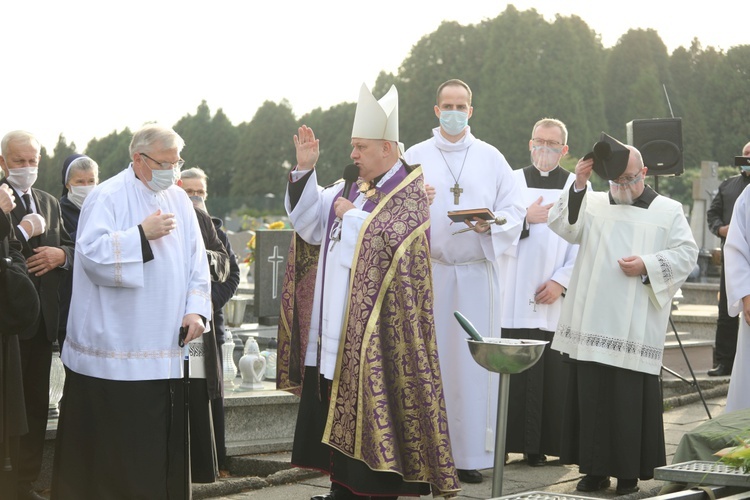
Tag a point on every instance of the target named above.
point(532, 301)
point(456, 190)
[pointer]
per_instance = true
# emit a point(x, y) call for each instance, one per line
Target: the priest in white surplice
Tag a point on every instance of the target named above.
point(737, 262)
point(141, 274)
point(467, 173)
point(535, 274)
point(636, 250)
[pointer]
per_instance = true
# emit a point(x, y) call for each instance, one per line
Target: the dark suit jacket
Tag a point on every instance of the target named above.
point(218, 261)
point(19, 310)
point(54, 235)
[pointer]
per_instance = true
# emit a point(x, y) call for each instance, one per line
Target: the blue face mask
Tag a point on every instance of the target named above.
point(454, 122)
point(163, 179)
point(745, 168)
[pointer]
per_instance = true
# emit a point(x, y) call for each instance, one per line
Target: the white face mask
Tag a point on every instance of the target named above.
point(453, 122)
point(163, 179)
point(22, 178)
point(545, 158)
point(77, 194)
point(622, 195)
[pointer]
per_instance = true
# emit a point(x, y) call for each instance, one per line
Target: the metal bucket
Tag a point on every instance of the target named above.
point(234, 310)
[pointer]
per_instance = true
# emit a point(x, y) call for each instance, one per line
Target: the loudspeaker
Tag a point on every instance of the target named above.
point(660, 142)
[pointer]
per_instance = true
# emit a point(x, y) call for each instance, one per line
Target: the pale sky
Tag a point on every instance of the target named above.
point(86, 68)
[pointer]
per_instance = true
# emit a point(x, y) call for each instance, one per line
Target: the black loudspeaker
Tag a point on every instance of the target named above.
point(660, 142)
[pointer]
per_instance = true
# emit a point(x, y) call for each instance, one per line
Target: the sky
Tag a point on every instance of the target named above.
point(85, 68)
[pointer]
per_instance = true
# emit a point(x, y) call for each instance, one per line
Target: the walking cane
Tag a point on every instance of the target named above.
point(186, 396)
point(7, 465)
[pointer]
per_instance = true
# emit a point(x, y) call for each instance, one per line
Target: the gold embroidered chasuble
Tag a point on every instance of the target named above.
point(387, 406)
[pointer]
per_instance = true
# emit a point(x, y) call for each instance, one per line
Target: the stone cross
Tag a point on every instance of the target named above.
point(275, 259)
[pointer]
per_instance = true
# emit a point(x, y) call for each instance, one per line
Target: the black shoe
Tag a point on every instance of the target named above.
point(626, 486)
point(721, 370)
point(30, 495)
point(469, 476)
point(536, 459)
point(337, 492)
point(593, 483)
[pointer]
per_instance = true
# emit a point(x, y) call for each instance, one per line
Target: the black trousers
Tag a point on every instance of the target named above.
point(36, 359)
point(726, 328)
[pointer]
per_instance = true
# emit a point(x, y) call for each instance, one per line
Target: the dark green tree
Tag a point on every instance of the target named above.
point(333, 128)
point(211, 143)
point(262, 158)
point(112, 153)
point(50, 169)
point(636, 69)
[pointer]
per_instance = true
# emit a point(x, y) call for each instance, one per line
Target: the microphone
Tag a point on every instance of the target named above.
point(351, 174)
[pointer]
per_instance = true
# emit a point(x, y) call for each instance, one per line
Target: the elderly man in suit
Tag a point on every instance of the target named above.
point(49, 254)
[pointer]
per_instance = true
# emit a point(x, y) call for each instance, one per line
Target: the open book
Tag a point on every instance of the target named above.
point(460, 215)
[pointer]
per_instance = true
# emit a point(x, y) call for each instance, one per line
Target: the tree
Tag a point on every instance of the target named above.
point(262, 158)
point(211, 143)
point(50, 169)
point(112, 153)
point(636, 68)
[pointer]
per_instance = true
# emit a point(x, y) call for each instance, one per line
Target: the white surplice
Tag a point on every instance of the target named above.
point(737, 265)
point(465, 279)
point(309, 217)
point(608, 317)
point(539, 257)
point(125, 313)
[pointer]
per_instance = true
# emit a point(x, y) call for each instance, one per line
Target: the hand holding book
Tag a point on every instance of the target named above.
point(484, 216)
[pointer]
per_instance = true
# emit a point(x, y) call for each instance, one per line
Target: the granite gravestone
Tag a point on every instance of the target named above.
point(271, 250)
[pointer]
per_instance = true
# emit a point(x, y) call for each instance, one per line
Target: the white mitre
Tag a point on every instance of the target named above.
point(375, 119)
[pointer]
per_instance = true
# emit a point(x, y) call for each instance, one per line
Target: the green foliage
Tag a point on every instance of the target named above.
point(521, 68)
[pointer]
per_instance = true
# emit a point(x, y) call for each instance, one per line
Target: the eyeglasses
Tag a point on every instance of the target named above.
point(166, 165)
point(625, 181)
point(544, 142)
point(196, 192)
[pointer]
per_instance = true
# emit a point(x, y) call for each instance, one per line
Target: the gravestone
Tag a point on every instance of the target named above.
point(271, 250)
point(704, 189)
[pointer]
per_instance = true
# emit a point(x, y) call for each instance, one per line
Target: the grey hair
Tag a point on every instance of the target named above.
point(194, 173)
point(552, 122)
point(19, 136)
point(82, 164)
point(155, 135)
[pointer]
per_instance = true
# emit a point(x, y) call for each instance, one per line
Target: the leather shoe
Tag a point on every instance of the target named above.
point(593, 483)
point(626, 486)
point(336, 493)
point(536, 459)
point(30, 495)
point(721, 370)
point(469, 476)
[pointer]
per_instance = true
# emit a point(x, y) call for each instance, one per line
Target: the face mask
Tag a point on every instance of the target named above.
point(453, 122)
point(545, 158)
point(163, 179)
point(22, 178)
point(622, 194)
point(77, 194)
point(198, 202)
point(745, 168)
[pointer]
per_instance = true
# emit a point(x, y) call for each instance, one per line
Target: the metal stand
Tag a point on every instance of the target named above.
point(694, 382)
point(501, 426)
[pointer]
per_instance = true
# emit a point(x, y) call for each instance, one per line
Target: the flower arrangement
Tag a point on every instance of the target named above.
point(737, 456)
point(250, 256)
